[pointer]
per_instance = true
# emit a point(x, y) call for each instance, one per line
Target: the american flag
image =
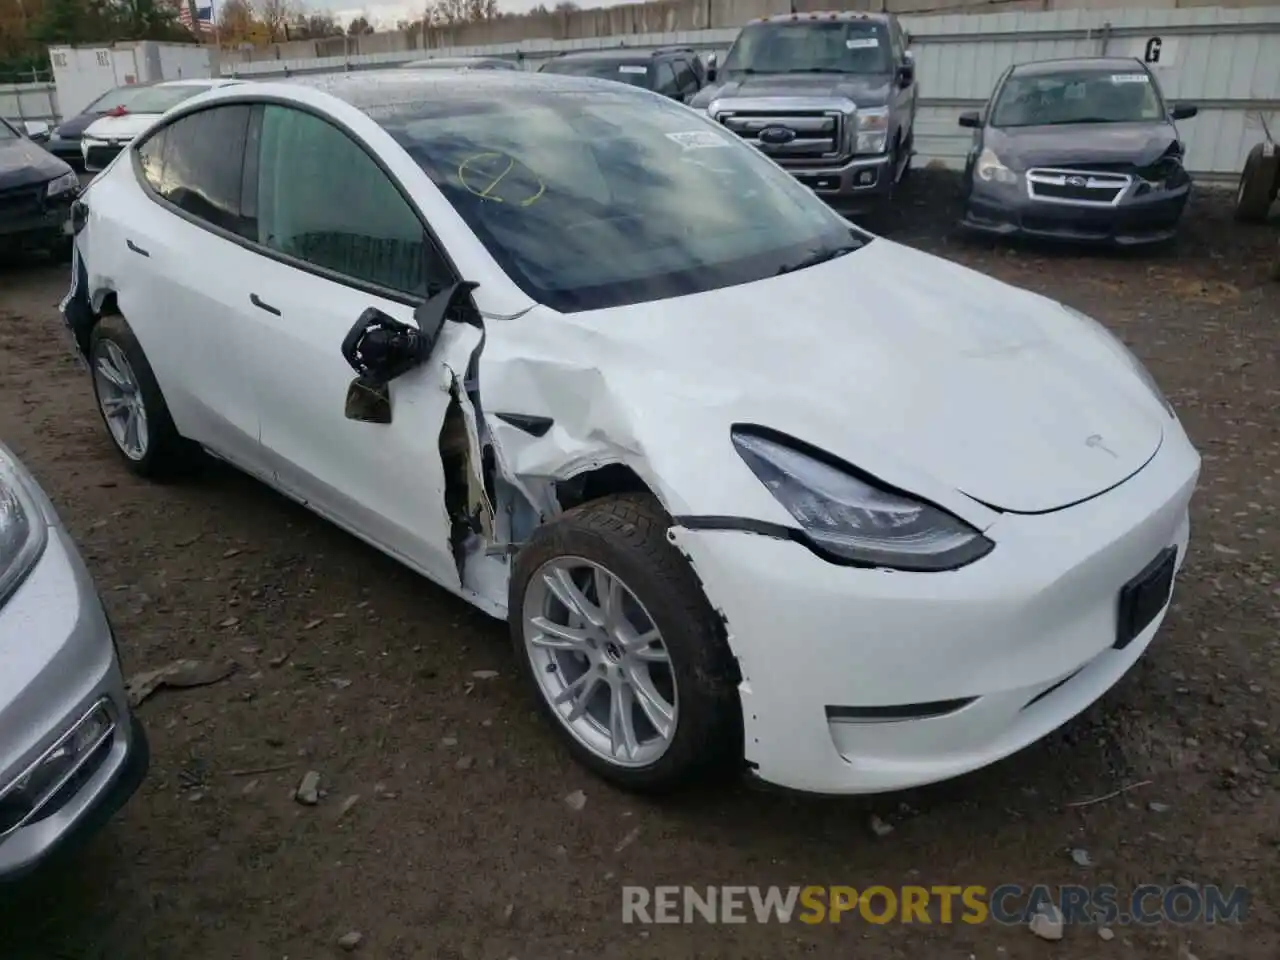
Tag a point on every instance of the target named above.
point(204, 17)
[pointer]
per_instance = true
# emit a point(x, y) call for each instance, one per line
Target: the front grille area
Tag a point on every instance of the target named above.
point(789, 136)
point(98, 156)
point(25, 201)
point(1086, 188)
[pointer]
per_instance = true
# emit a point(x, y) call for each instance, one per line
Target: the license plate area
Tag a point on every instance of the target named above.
point(1143, 597)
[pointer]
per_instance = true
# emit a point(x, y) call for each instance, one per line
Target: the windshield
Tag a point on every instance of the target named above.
point(1081, 96)
point(118, 97)
point(604, 197)
point(636, 74)
point(161, 99)
point(811, 46)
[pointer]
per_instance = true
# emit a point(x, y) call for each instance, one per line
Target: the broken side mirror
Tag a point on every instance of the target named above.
point(712, 60)
point(971, 118)
point(1183, 111)
point(906, 74)
point(380, 348)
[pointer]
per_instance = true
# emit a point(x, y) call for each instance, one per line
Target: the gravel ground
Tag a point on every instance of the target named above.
point(444, 830)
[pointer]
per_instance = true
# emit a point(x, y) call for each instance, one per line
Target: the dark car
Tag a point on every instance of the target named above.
point(674, 72)
point(64, 142)
point(1082, 149)
point(36, 192)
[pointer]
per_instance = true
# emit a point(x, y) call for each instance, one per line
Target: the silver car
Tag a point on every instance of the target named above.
point(71, 752)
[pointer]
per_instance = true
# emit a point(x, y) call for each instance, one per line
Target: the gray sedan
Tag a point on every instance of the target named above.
point(71, 752)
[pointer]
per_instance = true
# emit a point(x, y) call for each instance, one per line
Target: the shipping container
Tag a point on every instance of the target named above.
point(82, 74)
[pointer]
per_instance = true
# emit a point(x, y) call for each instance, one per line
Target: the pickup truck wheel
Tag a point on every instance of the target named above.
point(1258, 183)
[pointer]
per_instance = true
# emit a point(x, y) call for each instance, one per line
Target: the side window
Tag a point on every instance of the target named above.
point(322, 199)
point(202, 163)
point(151, 158)
point(665, 82)
point(686, 80)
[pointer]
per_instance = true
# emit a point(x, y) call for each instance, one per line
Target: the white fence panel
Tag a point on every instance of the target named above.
point(29, 101)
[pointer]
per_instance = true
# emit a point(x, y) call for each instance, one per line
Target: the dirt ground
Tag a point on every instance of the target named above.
point(461, 844)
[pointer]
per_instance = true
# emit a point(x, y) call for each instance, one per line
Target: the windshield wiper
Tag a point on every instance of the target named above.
point(817, 257)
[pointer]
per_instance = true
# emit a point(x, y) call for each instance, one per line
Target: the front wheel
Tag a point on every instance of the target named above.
point(624, 653)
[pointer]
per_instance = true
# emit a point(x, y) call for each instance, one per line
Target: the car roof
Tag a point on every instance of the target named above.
point(843, 15)
point(198, 82)
point(366, 89)
point(1100, 64)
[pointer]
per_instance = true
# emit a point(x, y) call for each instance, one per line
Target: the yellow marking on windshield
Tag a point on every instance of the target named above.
point(469, 165)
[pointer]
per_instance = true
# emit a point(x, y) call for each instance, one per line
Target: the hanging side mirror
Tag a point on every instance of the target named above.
point(380, 348)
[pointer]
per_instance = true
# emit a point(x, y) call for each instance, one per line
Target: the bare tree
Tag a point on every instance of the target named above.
point(276, 14)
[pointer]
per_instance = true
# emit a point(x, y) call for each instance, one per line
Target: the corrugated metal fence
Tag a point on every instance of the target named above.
point(28, 101)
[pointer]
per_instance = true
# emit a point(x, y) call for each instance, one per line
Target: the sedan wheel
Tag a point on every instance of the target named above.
point(623, 652)
point(600, 661)
point(120, 398)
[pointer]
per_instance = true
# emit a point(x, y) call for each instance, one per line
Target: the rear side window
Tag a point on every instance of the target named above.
point(665, 82)
point(196, 163)
point(323, 200)
point(686, 79)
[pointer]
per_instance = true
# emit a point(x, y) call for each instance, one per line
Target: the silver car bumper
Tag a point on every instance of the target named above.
point(71, 752)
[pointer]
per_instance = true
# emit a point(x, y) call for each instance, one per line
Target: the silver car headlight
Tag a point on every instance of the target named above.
point(68, 181)
point(23, 530)
point(1118, 347)
point(873, 129)
point(853, 519)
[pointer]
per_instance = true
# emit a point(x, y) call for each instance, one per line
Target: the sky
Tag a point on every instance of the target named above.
point(384, 14)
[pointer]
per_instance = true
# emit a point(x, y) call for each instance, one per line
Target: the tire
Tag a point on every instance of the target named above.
point(625, 535)
point(1258, 183)
point(161, 453)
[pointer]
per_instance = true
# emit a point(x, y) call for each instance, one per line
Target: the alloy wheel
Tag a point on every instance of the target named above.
point(120, 398)
point(600, 661)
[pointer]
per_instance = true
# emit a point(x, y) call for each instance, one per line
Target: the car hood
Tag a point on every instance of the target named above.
point(865, 90)
point(1139, 144)
point(120, 128)
point(23, 162)
point(72, 129)
point(934, 378)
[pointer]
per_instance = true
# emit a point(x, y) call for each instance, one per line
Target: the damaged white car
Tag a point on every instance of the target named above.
point(748, 483)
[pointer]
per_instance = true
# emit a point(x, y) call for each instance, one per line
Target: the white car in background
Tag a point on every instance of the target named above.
point(747, 482)
point(107, 136)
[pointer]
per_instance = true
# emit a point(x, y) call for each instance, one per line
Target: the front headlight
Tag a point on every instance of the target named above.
point(873, 129)
point(68, 181)
point(1118, 346)
point(23, 532)
point(854, 520)
point(989, 168)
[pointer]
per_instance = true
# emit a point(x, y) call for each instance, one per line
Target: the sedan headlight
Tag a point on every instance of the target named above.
point(989, 168)
point(873, 129)
point(847, 518)
point(23, 532)
point(1118, 346)
point(68, 181)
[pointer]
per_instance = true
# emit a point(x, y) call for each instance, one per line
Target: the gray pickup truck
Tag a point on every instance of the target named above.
point(831, 97)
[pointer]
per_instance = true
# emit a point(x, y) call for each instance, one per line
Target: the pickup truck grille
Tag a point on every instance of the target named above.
point(789, 136)
point(1084, 188)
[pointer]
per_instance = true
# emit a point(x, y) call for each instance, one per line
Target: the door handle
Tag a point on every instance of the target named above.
point(136, 249)
point(258, 302)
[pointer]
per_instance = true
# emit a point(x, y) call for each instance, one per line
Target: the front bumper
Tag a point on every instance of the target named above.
point(61, 666)
point(1010, 211)
point(863, 681)
point(40, 221)
point(854, 186)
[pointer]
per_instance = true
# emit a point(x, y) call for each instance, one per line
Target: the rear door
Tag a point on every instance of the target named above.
point(179, 240)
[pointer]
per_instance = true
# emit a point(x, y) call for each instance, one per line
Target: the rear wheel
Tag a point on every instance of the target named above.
point(1258, 183)
point(131, 404)
point(624, 654)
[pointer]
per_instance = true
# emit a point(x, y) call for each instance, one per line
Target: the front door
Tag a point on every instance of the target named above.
point(339, 237)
